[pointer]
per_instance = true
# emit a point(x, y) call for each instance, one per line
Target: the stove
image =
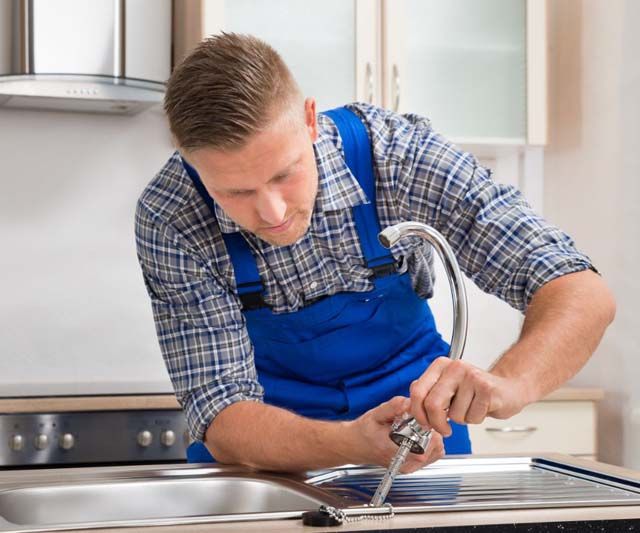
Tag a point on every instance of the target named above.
point(91, 431)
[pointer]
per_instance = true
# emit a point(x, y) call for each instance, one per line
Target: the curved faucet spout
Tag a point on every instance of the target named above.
point(408, 434)
point(393, 234)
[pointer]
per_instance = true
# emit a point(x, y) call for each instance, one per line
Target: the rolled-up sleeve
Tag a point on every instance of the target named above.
point(199, 324)
point(500, 242)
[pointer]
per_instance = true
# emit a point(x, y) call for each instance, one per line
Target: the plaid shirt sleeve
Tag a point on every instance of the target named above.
point(500, 242)
point(195, 316)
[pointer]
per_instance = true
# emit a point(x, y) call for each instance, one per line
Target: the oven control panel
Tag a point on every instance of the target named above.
point(93, 437)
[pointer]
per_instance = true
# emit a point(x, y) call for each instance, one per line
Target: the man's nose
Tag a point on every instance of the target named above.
point(271, 208)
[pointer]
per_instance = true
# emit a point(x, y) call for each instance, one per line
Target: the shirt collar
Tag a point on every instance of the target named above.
point(224, 222)
point(337, 186)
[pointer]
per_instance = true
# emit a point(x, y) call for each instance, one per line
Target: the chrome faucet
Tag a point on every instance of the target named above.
point(408, 434)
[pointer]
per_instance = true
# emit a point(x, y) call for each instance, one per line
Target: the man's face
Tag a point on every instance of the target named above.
point(269, 185)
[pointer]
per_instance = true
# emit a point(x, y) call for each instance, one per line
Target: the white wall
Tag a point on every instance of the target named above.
point(592, 175)
point(74, 314)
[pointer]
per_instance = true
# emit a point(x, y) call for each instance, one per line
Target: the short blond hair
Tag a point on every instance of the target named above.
point(230, 87)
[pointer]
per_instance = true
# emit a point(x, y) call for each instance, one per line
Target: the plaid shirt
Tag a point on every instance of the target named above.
point(500, 243)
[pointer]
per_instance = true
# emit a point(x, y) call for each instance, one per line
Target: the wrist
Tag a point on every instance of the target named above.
point(518, 388)
point(345, 441)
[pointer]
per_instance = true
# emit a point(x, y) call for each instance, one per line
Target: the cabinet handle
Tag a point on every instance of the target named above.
point(396, 88)
point(369, 77)
point(513, 429)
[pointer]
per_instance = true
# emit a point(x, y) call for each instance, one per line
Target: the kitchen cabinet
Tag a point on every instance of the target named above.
point(330, 46)
point(464, 64)
point(564, 422)
point(477, 68)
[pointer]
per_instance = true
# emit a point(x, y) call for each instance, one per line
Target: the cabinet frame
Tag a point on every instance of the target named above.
point(380, 59)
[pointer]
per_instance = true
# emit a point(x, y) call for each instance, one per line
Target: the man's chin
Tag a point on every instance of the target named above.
point(287, 238)
point(280, 240)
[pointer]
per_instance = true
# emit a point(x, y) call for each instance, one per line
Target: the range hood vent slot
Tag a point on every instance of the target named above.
point(104, 56)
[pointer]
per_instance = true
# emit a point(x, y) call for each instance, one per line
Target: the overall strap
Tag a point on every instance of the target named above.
point(357, 151)
point(248, 282)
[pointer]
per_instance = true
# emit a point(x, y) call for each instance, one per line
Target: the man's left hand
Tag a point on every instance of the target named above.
point(461, 392)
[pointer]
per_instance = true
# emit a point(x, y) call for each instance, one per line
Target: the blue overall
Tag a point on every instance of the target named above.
point(346, 353)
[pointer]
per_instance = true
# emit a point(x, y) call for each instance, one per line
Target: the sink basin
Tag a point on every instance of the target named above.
point(149, 500)
point(85, 498)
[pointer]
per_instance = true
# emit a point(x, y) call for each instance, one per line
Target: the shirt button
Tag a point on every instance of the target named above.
point(313, 285)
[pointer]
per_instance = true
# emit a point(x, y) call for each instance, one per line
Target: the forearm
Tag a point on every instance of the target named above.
point(269, 438)
point(564, 323)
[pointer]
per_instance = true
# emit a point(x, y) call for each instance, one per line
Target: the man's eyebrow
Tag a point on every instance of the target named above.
point(280, 174)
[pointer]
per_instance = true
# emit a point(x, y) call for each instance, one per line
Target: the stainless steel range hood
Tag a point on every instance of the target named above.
point(105, 56)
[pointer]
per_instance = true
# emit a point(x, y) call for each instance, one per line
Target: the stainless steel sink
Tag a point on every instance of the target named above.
point(149, 500)
point(83, 498)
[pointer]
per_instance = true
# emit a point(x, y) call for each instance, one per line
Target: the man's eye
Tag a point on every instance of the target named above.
point(239, 193)
point(281, 178)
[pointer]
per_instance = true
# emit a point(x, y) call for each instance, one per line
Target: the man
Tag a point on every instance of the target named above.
point(293, 340)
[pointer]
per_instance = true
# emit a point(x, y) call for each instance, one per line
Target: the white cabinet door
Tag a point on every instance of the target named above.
point(546, 426)
point(463, 64)
point(476, 68)
point(330, 46)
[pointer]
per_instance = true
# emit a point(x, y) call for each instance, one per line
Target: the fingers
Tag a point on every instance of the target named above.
point(388, 411)
point(434, 451)
point(479, 408)
point(452, 390)
point(461, 402)
point(439, 398)
point(422, 386)
point(473, 399)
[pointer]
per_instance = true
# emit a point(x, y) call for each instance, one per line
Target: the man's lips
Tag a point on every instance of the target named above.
point(282, 227)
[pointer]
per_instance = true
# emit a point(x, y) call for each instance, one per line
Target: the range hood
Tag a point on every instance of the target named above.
point(104, 56)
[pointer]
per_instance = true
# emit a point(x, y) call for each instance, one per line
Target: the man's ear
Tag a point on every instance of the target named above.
point(310, 118)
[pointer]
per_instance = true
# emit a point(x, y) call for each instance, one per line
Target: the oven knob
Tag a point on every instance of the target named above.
point(41, 441)
point(16, 443)
point(67, 441)
point(168, 438)
point(145, 438)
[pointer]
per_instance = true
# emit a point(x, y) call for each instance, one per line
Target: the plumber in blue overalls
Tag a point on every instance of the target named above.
point(366, 361)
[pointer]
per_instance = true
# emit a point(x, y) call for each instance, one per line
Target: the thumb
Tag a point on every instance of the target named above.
point(388, 411)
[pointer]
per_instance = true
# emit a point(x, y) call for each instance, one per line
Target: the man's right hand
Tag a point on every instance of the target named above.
point(270, 438)
point(371, 442)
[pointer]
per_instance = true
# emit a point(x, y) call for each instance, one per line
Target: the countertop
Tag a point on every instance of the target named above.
point(167, 401)
point(577, 519)
point(565, 520)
